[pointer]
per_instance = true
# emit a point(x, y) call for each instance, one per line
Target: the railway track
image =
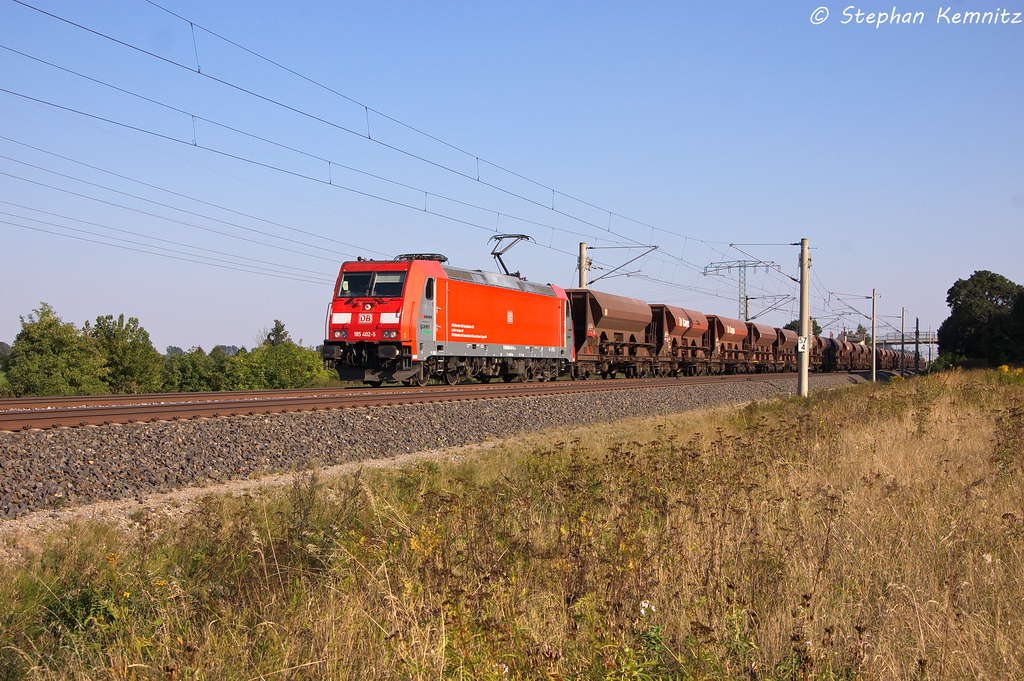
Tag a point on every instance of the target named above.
point(98, 410)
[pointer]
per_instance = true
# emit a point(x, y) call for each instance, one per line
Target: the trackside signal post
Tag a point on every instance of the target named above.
point(803, 343)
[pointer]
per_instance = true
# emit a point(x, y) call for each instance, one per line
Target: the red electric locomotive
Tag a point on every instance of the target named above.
point(415, 318)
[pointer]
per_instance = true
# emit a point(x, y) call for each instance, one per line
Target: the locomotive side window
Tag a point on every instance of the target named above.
point(371, 285)
point(428, 292)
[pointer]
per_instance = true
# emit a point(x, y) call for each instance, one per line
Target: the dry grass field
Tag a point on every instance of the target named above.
point(875, 532)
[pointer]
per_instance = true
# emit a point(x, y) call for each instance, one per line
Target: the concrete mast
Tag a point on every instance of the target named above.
point(583, 264)
point(803, 345)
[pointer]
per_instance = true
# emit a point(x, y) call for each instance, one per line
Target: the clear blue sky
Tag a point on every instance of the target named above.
point(897, 149)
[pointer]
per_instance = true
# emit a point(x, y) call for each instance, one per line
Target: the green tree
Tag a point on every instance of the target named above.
point(218, 362)
point(288, 365)
point(795, 326)
point(50, 357)
point(190, 372)
point(277, 335)
point(981, 319)
point(276, 364)
point(134, 364)
point(5, 352)
point(862, 331)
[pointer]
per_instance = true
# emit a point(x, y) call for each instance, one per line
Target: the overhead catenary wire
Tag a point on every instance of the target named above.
point(275, 190)
point(367, 136)
point(470, 155)
point(133, 196)
point(166, 255)
point(253, 268)
point(160, 217)
point(185, 196)
point(267, 166)
point(161, 204)
point(478, 160)
point(164, 205)
point(432, 212)
point(311, 116)
point(144, 236)
point(329, 162)
point(233, 156)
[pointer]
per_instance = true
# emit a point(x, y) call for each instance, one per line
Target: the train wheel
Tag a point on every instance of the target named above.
point(450, 377)
point(508, 378)
point(484, 379)
point(374, 384)
point(418, 379)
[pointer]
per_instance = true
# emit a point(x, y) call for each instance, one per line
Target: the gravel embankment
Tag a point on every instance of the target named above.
point(69, 466)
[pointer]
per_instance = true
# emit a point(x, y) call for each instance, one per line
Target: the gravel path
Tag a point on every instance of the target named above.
point(73, 466)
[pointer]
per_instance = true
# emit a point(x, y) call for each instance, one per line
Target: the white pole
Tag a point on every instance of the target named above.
point(874, 338)
point(803, 346)
point(903, 342)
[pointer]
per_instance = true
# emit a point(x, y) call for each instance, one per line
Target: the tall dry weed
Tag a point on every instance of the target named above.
point(874, 532)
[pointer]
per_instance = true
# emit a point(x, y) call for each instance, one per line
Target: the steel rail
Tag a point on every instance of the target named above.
point(28, 403)
point(61, 402)
point(251, 403)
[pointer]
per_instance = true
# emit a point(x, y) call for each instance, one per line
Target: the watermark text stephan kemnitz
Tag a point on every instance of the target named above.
point(944, 15)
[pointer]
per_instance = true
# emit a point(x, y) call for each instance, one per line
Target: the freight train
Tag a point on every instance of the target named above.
point(415, 318)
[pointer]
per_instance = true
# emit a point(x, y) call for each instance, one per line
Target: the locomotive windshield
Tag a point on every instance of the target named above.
point(371, 285)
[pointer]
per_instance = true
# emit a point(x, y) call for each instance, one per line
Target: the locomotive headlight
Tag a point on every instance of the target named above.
point(344, 333)
point(337, 334)
point(367, 306)
point(391, 334)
